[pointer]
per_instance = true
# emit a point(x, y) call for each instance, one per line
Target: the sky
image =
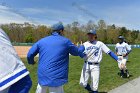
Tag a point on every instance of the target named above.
point(119, 12)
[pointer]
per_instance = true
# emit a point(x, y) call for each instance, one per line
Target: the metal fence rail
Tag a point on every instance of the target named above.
point(111, 45)
point(23, 48)
point(132, 46)
point(22, 44)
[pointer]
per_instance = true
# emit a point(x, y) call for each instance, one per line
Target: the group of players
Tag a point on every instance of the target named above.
point(53, 62)
point(93, 50)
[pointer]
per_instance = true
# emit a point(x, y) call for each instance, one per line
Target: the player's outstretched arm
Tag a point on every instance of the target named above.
point(72, 49)
point(112, 54)
point(108, 51)
point(32, 53)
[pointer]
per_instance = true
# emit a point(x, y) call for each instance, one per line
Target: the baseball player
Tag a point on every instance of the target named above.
point(53, 60)
point(122, 51)
point(14, 77)
point(92, 53)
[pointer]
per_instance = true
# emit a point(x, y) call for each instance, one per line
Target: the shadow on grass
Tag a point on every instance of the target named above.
point(128, 61)
point(129, 76)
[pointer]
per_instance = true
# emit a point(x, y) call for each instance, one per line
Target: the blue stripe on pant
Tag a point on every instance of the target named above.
point(13, 77)
point(22, 86)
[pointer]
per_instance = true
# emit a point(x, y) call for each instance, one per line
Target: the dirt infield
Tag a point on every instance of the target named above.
point(22, 50)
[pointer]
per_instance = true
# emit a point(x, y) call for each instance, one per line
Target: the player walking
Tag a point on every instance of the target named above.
point(122, 51)
point(92, 50)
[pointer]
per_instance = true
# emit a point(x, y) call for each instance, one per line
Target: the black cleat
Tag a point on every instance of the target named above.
point(88, 88)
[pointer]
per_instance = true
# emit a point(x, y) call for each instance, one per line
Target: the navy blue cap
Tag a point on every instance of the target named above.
point(57, 27)
point(92, 32)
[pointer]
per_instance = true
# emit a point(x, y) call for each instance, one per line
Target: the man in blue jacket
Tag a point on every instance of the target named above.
point(53, 60)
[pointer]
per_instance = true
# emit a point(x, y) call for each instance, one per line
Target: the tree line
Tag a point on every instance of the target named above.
point(30, 33)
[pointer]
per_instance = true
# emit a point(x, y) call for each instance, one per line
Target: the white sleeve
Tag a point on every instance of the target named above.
point(128, 47)
point(105, 48)
point(116, 49)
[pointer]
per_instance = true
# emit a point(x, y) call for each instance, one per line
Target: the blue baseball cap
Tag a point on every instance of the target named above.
point(92, 32)
point(57, 27)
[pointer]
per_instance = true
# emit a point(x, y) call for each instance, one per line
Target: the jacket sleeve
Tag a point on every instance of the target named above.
point(81, 51)
point(72, 49)
point(32, 53)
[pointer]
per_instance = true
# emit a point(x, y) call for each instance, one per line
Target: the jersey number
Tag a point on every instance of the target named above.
point(96, 52)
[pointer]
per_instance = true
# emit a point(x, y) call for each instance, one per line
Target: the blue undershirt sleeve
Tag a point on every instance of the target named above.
point(113, 55)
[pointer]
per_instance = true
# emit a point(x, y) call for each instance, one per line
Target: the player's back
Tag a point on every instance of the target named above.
point(52, 47)
point(53, 60)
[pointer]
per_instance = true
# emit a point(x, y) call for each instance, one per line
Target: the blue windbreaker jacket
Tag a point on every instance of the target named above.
point(53, 62)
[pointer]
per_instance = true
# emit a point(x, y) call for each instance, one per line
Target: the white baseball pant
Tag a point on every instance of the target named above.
point(90, 71)
point(122, 63)
point(43, 89)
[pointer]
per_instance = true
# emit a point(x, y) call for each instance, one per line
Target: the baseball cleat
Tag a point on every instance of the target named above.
point(88, 88)
point(122, 76)
point(127, 74)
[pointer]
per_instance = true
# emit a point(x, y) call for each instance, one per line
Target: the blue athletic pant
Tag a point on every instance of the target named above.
point(22, 86)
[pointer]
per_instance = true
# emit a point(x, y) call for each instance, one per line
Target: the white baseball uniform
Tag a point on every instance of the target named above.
point(122, 49)
point(43, 89)
point(93, 53)
point(12, 68)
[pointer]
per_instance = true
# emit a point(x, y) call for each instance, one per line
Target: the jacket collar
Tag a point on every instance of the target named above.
point(55, 34)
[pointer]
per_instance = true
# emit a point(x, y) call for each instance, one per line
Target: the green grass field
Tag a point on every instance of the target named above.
point(108, 74)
